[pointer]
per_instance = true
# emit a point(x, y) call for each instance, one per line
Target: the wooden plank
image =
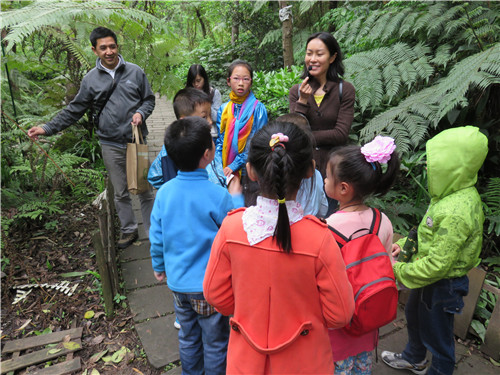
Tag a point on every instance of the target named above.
point(31, 342)
point(36, 358)
point(491, 345)
point(463, 320)
point(14, 356)
point(63, 368)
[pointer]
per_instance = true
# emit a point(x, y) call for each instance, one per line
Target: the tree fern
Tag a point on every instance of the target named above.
point(380, 74)
point(25, 21)
point(454, 23)
point(427, 107)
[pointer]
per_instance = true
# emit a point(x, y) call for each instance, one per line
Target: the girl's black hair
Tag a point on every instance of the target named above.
point(195, 70)
point(186, 141)
point(236, 63)
point(280, 169)
point(336, 69)
point(348, 164)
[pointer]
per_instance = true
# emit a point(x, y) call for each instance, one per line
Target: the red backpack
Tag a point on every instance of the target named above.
point(369, 270)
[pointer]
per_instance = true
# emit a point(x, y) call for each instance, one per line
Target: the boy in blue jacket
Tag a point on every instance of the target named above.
point(187, 214)
point(187, 102)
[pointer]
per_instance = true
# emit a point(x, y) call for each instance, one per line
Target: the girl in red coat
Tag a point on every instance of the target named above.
point(279, 273)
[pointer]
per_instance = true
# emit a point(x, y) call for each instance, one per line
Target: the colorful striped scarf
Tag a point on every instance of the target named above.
point(236, 130)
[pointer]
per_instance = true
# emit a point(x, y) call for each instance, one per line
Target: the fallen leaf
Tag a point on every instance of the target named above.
point(54, 351)
point(72, 345)
point(24, 325)
point(495, 363)
point(97, 340)
point(89, 314)
point(118, 356)
point(97, 356)
point(73, 274)
point(95, 372)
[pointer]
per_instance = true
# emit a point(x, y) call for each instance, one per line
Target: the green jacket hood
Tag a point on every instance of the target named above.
point(454, 158)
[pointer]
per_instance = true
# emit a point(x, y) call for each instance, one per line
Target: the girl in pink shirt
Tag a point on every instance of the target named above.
point(352, 174)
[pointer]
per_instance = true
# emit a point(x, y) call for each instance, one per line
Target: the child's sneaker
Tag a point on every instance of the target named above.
point(177, 324)
point(395, 360)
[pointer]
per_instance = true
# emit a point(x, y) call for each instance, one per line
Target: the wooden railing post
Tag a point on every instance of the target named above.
point(104, 244)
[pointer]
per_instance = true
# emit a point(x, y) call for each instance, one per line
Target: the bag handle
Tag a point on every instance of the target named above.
point(137, 135)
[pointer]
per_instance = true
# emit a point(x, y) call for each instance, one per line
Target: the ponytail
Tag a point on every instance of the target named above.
point(281, 155)
point(278, 168)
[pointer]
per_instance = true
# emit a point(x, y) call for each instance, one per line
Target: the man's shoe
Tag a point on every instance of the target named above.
point(395, 360)
point(127, 239)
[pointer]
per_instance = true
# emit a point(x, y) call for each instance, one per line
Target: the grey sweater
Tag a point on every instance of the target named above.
point(133, 94)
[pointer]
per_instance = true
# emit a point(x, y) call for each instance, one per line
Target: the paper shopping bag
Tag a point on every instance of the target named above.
point(137, 163)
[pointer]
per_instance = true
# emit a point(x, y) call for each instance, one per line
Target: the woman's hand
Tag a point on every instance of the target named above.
point(305, 91)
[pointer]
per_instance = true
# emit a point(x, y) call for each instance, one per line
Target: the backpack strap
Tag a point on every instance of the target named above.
point(339, 237)
point(374, 228)
point(377, 218)
point(341, 84)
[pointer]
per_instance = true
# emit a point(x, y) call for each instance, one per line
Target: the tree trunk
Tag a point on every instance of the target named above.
point(235, 29)
point(332, 5)
point(203, 27)
point(287, 31)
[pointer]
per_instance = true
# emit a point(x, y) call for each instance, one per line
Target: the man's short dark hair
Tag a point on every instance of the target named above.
point(186, 141)
point(101, 32)
point(187, 99)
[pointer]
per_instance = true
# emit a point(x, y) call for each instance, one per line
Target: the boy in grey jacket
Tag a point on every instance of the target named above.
point(131, 102)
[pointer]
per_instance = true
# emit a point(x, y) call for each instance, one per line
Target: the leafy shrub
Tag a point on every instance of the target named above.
point(272, 88)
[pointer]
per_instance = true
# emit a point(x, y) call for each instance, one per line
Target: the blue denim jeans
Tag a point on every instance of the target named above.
point(203, 336)
point(430, 314)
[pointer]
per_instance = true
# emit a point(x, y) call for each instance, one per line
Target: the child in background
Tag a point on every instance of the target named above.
point(280, 274)
point(311, 196)
point(449, 243)
point(187, 102)
point(354, 173)
point(197, 77)
point(238, 119)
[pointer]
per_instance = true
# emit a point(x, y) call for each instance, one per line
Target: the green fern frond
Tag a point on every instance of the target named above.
point(392, 80)
point(428, 106)
point(271, 37)
point(382, 72)
point(367, 25)
point(394, 24)
point(70, 44)
point(306, 6)
point(492, 195)
point(25, 21)
point(443, 55)
point(407, 24)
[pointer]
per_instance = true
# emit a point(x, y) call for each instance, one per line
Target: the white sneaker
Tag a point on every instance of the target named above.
point(177, 325)
point(395, 360)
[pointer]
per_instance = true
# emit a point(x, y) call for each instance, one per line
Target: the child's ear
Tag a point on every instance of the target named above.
point(228, 81)
point(252, 175)
point(345, 188)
